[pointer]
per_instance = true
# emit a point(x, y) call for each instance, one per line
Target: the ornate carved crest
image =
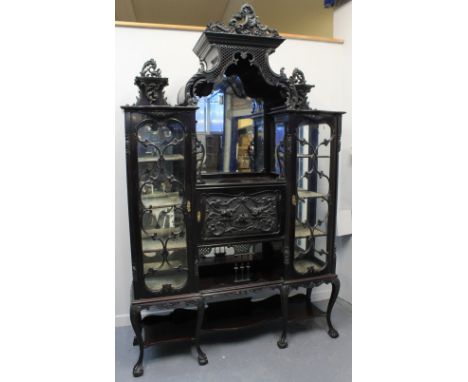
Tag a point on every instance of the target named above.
point(297, 77)
point(298, 82)
point(150, 69)
point(151, 85)
point(244, 22)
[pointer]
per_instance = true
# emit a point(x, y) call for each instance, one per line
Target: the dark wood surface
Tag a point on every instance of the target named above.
point(194, 305)
point(224, 316)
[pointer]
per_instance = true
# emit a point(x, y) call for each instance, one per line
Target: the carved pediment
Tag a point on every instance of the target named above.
point(244, 22)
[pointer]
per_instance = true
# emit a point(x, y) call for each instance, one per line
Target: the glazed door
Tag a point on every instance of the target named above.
point(161, 178)
point(311, 252)
point(306, 155)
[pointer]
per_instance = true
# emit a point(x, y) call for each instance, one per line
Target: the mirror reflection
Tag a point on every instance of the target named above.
point(230, 127)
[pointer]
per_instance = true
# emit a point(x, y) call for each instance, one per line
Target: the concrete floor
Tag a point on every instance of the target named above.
point(248, 355)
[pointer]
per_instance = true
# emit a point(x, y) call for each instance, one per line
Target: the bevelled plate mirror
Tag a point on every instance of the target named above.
point(230, 127)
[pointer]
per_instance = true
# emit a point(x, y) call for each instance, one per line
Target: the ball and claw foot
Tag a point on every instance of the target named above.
point(333, 333)
point(282, 344)
point(138, 370)
point(202, 359)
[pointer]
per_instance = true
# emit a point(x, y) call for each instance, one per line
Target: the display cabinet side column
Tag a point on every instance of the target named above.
point(132, 196)
point(290, 164)
point(191, 179)
point(269, 143)
point(335, 124)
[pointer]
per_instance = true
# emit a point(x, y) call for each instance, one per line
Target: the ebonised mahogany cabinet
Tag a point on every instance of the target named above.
point(230, 192)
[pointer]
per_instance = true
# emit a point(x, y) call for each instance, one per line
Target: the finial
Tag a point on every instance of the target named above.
point(245, 22)
point(151, 85)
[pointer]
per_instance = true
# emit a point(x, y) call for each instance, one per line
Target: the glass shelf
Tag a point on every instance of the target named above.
point(161, 199)
point(302, 231)
point(162, 233)
point(166, 269)
point(166, 157)
point(176, 279)
point(312, 156)
point(306, 194)
point(150, 245)
point(304, 266)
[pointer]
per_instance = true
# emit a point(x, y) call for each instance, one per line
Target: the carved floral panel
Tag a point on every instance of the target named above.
point(242, 214)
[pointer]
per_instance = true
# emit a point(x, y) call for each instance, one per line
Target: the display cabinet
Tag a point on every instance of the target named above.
point(231, 192)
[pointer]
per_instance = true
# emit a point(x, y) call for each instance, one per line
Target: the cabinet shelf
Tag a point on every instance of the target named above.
point(179, 325)
point(306, 194)
point(224, 276)
point(162, 233)
point(167, 157)
point(150, 245)
point(161, 199)
point(312, 156)
point(166, 269)
point(304, 266)
point(176, 279)
point(238, 314)
point(229, 259)
point(303, 231)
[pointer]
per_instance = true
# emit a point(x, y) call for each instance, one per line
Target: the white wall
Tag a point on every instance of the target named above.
point(342, 29)
point(325, 65)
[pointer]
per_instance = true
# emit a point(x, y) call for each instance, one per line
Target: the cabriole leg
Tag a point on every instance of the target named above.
point(334, 294)
point(202, 358)
point(135, 319)
point(283, 343)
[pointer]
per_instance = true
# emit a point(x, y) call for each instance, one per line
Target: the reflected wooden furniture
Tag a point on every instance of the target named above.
point(204, 242)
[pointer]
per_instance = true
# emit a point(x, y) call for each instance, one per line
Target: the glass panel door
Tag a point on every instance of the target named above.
point(161, 171)
point(313, 169)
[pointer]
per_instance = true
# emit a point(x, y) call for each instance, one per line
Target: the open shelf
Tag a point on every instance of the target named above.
point(226, 315)
point(224, 276)
point(238, 314)
point(229, 259)
point(179, 325)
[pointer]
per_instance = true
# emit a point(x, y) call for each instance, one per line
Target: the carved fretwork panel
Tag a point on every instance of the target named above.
point(243, 214)
point(238, 60)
